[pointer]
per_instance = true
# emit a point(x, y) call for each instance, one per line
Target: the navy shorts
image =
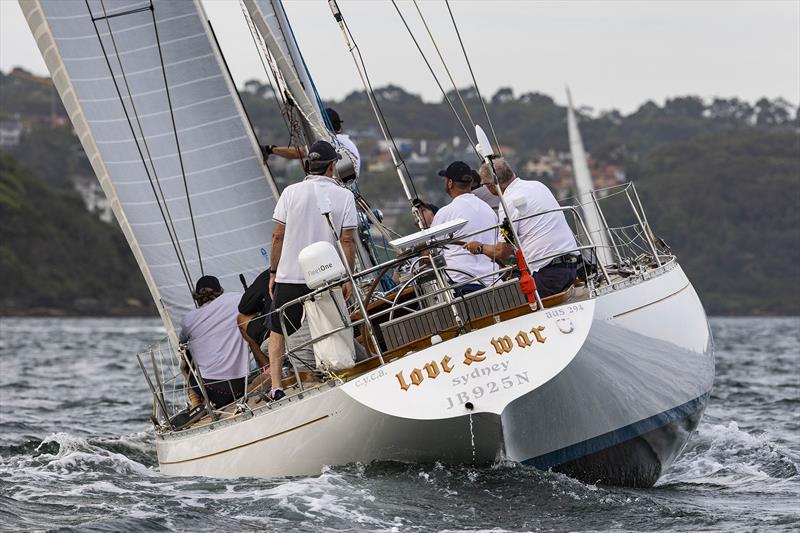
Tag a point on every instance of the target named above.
point(553, 279)
point(283, 293)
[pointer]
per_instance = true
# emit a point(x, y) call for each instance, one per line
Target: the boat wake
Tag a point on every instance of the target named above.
point(113, 483)
point(724, 456)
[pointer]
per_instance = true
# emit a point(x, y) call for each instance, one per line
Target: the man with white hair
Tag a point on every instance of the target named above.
point(547, 240)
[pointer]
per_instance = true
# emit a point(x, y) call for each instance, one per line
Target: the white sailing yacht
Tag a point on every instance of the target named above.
point(605, 381)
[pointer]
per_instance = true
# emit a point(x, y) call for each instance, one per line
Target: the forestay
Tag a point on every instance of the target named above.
point(207, 211)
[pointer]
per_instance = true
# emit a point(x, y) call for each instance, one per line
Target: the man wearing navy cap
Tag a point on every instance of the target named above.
point(217, 348)
point(299, 223)
point(345, 146)
point(458, 178)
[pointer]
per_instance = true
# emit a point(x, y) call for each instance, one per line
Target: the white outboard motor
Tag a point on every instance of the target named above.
point(321, 264)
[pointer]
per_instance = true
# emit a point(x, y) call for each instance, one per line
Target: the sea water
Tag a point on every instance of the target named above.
point(76, 451)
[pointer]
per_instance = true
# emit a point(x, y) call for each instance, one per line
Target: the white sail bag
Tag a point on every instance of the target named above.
point(327, 311)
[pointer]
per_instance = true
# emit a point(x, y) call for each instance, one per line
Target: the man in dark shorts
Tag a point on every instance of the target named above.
point(299, 223)
point(253, 310)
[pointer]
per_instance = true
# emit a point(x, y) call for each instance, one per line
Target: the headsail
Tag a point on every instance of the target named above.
point(270, 20)
point(583, 187)
point(166, 136)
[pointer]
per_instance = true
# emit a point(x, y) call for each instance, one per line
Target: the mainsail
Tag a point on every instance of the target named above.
point(166, 136)
point(583, 187)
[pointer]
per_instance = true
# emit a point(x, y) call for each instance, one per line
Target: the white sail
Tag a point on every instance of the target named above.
point(213, 204)
point(270, 20)
point(583, 187)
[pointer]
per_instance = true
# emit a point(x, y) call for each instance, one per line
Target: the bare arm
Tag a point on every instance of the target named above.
point(349, 245)
point(501, 250)
point(289, 152)
point(275, 255)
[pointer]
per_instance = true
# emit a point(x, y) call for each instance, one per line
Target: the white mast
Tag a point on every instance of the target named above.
point(584, 188)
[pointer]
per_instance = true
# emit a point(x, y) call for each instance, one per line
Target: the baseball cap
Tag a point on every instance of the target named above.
point(323, 151)
point(334, 117)
point(207, 282)
point(427, 205)
point(459, 171)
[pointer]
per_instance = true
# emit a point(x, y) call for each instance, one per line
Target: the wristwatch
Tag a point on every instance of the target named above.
point(479, 250)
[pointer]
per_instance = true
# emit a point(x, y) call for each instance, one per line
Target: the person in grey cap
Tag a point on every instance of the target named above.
point(299, 223)
point(458, 178)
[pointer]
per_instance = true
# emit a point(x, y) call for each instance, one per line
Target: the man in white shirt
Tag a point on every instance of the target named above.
point(215, 343)
point(346, 147)
point(547, 240)
point(458, 178)
point(299, 223)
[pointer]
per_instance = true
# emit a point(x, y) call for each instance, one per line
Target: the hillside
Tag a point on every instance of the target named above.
point(56, 258)
point(728, 206)
point(720, 181)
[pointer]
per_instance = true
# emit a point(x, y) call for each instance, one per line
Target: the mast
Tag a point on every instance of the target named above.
point(584, 190)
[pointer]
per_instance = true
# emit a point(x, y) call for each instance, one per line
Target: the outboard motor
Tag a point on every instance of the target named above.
point(327, 311)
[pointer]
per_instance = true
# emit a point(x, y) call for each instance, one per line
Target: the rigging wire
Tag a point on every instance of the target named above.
point(325, 119)
point(166, 217)
point(435, 78)
point(474, 81)
point(260, 52)
point(175, 132)
point(381, 118)
point(444, 64)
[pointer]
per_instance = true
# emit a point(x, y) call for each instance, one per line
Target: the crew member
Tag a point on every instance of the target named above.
point(458, 178)
point(547, 240)
point(347, 146)
point(217, 348)
point(428, 211)
point(253, 310)
point(299, 223)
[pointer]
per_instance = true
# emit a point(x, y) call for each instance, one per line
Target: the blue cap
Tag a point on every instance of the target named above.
point(323, 151)
point(460, 172)
point(207, 282)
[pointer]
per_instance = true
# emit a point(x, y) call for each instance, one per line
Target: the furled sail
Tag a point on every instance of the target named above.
point(270, 20)
point(583, 187)
point(166, 136)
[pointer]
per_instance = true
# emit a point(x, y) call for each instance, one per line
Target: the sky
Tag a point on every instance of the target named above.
point(612, 54)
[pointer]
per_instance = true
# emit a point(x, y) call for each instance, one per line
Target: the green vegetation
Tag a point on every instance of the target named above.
point(728, 206)
point(58, 258)
point(720, 182)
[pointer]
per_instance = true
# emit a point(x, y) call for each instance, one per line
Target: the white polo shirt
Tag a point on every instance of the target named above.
point(479, 216)
point(350, 147)
point(298, 210)
point(212, 331)
point(541, 236)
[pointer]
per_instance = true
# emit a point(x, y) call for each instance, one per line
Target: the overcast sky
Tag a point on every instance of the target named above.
point(611, 54)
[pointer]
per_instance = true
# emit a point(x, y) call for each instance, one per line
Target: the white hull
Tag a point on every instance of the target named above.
point(630, 368)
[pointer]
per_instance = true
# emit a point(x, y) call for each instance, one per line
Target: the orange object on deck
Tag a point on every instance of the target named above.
point(526, 281)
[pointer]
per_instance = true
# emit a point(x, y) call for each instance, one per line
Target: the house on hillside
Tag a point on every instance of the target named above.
point(11, 131)
point(93, 197)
